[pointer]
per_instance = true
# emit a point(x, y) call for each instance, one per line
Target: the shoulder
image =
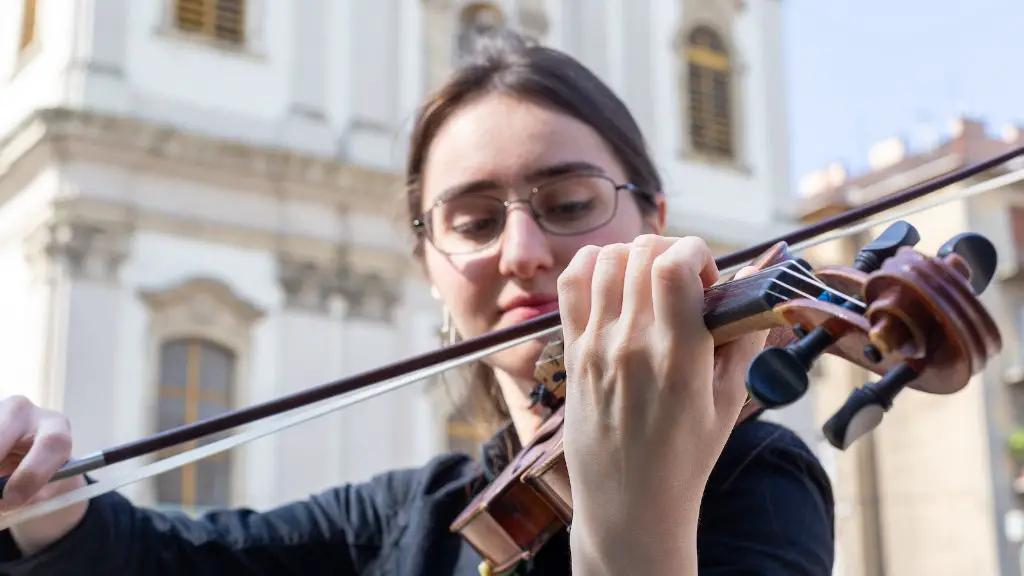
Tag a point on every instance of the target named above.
point(768, 506)
point(444, 473)
point(759, 449)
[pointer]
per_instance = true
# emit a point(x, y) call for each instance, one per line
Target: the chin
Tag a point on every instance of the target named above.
point(519, 361)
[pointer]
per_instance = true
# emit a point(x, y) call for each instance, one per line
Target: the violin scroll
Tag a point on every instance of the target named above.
point(780, 376)
point(914, 320)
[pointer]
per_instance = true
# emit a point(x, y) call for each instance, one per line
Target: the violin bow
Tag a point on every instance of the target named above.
point(366, 385)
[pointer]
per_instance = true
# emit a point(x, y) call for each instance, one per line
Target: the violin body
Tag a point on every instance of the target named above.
point(913, 319)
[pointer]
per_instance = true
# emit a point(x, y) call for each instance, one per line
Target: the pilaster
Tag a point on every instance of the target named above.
point(306, 127)
point(309, 336)
point(95, 67)
point(76, 265)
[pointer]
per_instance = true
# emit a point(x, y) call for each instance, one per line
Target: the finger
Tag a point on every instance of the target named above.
point(574, 293)
point(679, 277)
point(731, 362)
point(50, 450)
point(637, 302)
point(730, 382)
point(606, 289)
point(17, 416)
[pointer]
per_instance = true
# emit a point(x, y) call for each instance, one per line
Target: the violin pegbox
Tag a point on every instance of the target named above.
point(549, 372)
point(913, 319)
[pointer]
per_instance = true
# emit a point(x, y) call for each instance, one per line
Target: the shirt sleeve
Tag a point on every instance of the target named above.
point(338, 532)
point(768, 509)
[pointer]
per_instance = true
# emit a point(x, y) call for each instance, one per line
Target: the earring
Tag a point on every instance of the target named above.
point(447, 333)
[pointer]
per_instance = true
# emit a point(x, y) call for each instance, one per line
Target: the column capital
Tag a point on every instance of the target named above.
point(82, 248)
point(371, 296)
point(307, 284)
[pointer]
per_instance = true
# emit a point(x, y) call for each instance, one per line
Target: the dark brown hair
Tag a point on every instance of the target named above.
point(506, 63)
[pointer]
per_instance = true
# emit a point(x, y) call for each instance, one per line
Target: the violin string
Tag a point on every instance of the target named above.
point(260, 429)
point(989, 185)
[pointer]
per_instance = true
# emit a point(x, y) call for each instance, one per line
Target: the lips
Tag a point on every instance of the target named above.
point(524, 308)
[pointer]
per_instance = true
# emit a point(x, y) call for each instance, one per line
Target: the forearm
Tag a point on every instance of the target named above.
point(633, 548)
point(115, 537)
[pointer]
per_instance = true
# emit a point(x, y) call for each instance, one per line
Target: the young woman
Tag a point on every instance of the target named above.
point(529, 188)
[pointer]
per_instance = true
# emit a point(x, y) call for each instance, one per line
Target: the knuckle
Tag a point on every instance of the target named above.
point(668, 268)
point(648, 241)
point(613, 252)
point(19, 404)
point(58, 442)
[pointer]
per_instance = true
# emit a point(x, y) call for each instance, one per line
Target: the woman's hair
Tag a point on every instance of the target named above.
point(507, 63)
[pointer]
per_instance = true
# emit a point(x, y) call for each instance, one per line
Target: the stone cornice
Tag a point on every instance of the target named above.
point(78, 134)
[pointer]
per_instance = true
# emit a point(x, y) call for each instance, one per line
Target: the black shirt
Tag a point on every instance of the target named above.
point(767, 510)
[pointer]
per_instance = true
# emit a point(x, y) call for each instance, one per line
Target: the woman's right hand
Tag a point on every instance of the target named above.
point(34, 444)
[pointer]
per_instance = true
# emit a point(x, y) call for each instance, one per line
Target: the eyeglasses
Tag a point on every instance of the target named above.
point(566, 206)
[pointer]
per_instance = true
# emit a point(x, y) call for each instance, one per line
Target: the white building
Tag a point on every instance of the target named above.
point(201, 203)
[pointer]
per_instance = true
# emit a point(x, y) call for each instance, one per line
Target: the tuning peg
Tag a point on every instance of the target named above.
point(980, 255)
point(779, 376)
point(863, 410)
point(871, 256)
point(885, 245)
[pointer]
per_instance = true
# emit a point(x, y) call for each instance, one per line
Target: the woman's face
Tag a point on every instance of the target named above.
point(500, 147)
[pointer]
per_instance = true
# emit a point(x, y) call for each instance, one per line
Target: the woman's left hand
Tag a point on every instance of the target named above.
point(650, 400)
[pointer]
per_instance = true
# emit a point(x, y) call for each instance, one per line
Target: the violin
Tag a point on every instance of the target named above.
point(914, 320)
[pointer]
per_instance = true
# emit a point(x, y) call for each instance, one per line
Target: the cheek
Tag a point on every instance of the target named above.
point(624, 228)
point(464, 288)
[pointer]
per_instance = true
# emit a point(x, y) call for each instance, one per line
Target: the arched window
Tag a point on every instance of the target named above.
point(476, 21)
point(196, 377)
point(709, 75)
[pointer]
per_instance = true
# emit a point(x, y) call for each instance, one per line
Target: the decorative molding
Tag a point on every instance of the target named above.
point(371, 296)
point(308, 285)
point(130, 142)
point(83, 249)
point(200, 306)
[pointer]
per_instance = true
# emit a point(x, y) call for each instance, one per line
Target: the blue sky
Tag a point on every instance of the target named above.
point(860, 71)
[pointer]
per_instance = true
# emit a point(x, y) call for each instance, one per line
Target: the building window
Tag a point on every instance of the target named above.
point(222, 20)
point(196, 378)
point(475, 22)
point(709, 85)
point(28, 24)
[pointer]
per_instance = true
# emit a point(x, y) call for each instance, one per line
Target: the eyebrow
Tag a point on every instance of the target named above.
point(532, 177)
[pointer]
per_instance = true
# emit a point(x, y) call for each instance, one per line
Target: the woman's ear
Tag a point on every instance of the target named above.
point(657, 219)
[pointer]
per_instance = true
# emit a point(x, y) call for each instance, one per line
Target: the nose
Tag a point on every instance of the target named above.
point(525, 249)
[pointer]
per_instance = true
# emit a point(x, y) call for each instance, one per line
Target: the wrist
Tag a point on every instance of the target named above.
point(602, 548)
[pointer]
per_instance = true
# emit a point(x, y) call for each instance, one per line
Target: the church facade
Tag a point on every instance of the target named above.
point(200, 205)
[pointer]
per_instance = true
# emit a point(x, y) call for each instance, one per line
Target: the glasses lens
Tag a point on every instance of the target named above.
point(566, 206)
point(575, 205)
point(466, 223)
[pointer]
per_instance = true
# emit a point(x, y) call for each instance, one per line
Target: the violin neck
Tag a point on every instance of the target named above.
point(744, 306)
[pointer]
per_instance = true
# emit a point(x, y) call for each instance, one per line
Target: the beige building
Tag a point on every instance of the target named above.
point(932, 492)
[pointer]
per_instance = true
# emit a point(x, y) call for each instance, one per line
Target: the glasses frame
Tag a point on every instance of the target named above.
point(420, 224)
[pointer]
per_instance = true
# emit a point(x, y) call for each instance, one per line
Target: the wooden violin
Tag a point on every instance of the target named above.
point(913, 319)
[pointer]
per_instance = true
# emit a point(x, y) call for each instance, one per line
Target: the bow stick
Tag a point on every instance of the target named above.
point(356, 388)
